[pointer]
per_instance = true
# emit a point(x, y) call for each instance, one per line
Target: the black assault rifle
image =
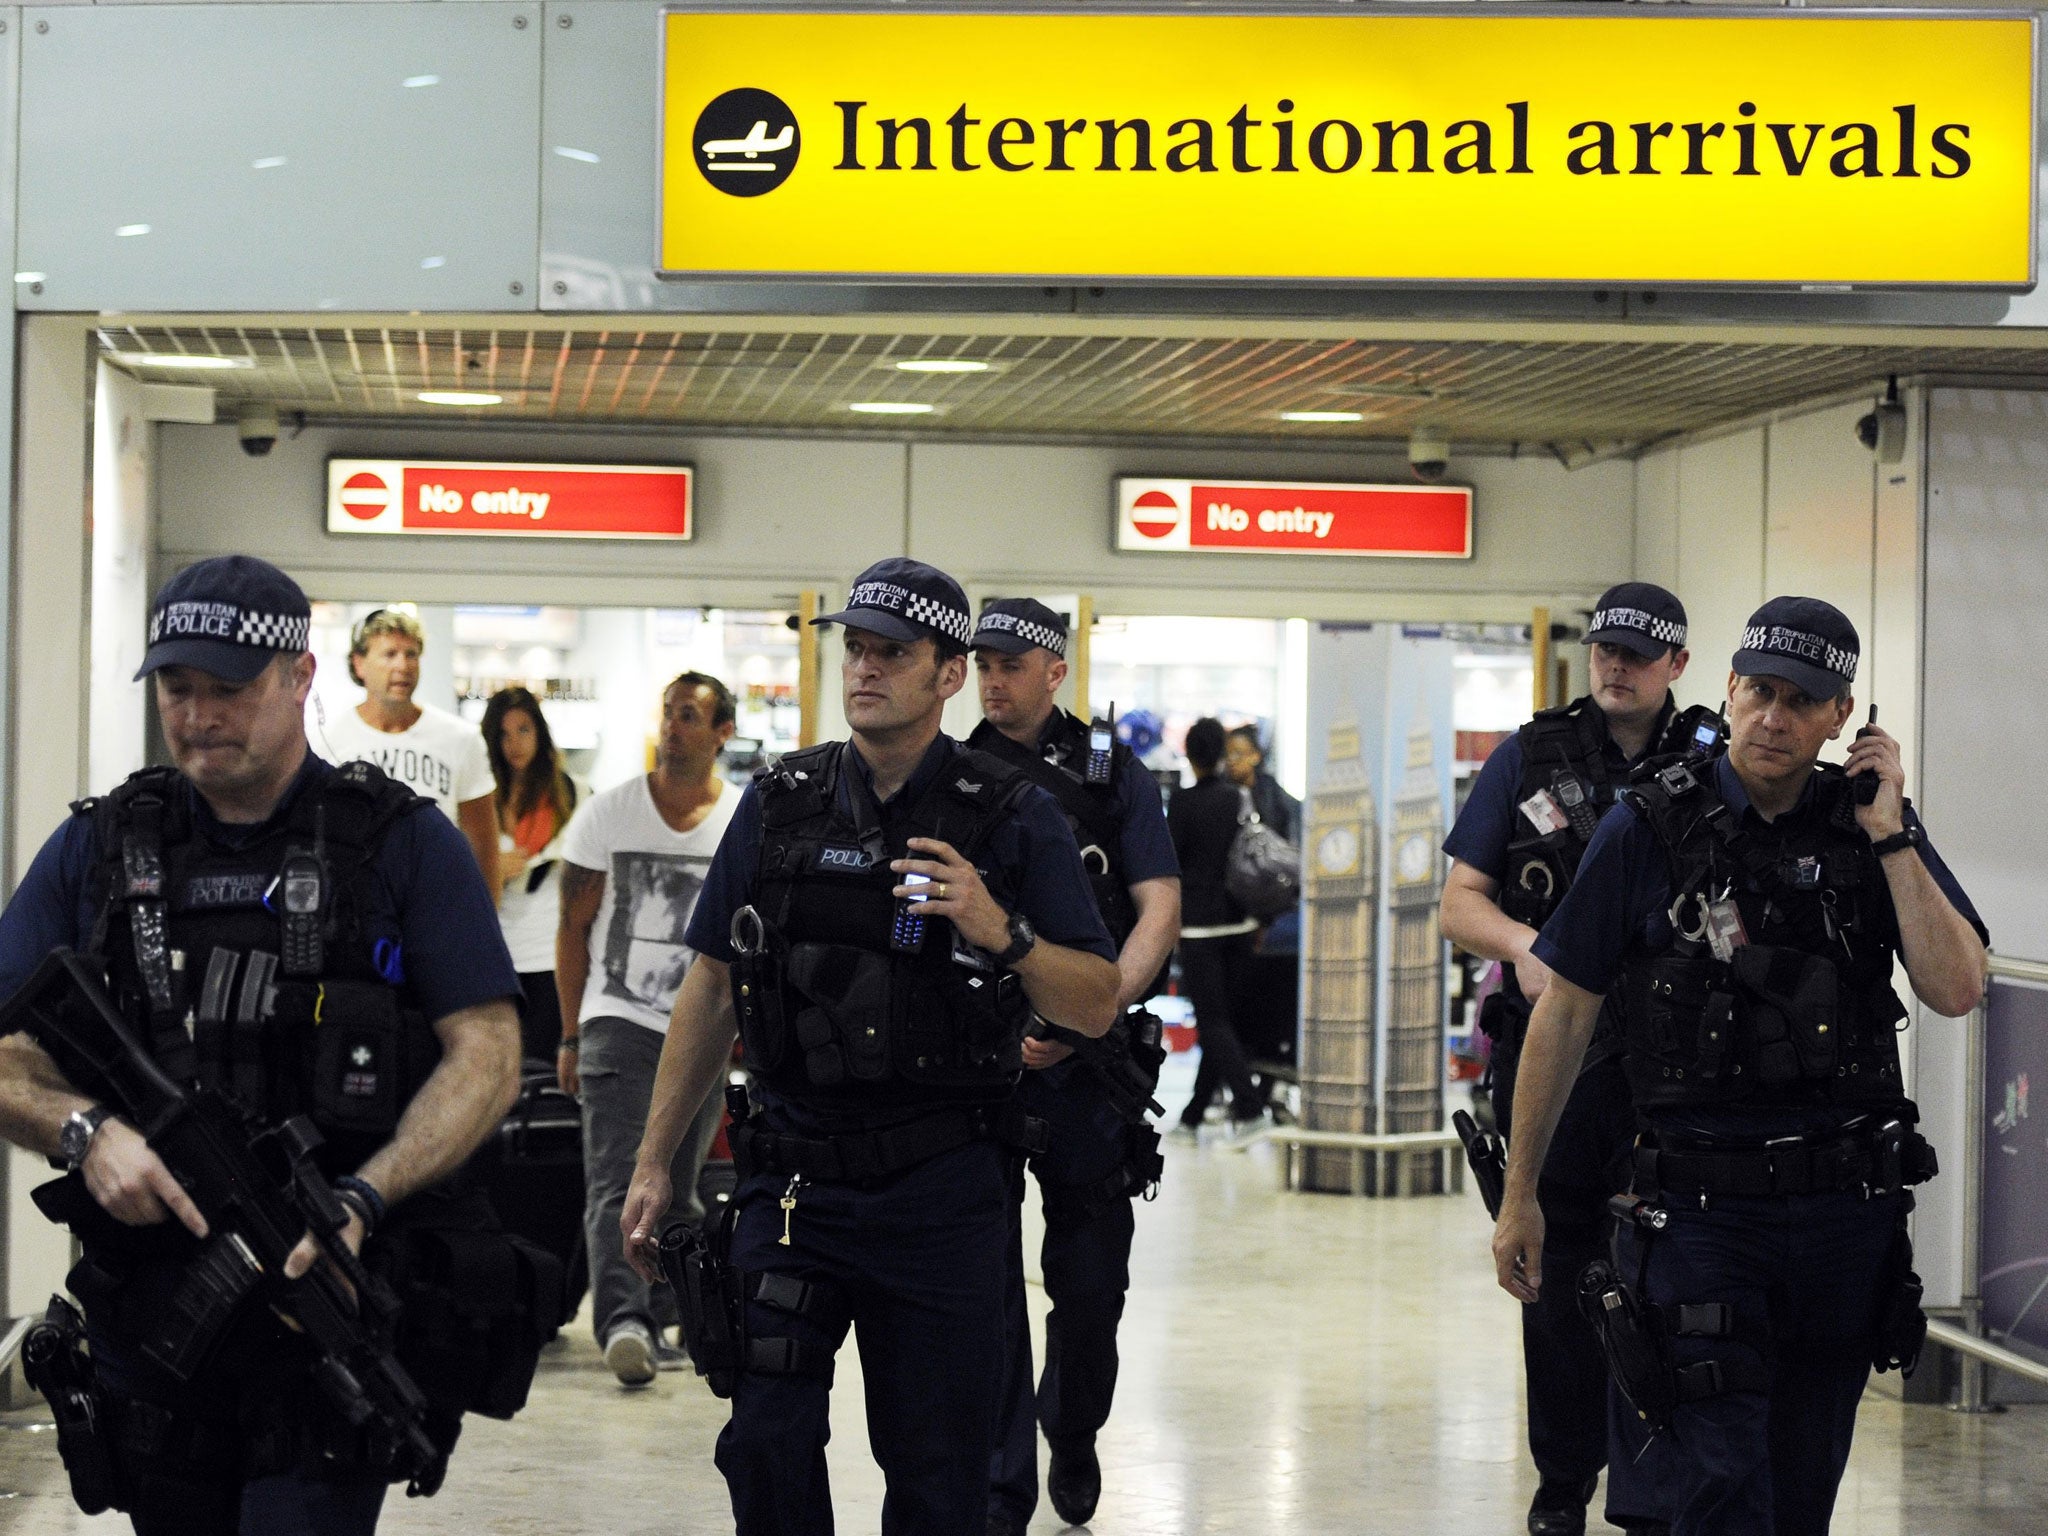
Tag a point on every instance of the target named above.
point(260, 1193)
point(1127, 1060)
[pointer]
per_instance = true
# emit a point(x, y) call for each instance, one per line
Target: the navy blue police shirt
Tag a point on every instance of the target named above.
point(1622, 898)
point(425, 892)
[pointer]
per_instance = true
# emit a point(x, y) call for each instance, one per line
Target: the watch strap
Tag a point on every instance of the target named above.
point(1911, 837)
point(1021, 944)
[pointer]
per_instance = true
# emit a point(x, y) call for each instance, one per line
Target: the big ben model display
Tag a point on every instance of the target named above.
point(1415, 977)
point(1339, 890)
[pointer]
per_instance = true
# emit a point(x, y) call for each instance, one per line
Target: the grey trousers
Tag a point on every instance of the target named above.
point(617, 1064)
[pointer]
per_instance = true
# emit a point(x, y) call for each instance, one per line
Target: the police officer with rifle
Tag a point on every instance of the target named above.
point(1101, 1152)
point(260, 1012)
point(882, 920)
point(1747, 914)
point(1515, 850)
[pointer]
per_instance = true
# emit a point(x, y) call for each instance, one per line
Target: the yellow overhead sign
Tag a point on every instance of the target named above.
point(1802, 147)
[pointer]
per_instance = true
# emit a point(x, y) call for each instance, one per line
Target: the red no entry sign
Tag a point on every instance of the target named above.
point(1276, 517)
point(562, 501)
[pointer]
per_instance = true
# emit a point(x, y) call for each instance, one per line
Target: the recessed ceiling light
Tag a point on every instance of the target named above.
point(419, 82)
point(195, 362)
point(942, 365)
point(1322, 416)
point(130, 231)
point(458, 397)
point(31, 277)
point(584, 155)
point(268, 163)
point(891, 408)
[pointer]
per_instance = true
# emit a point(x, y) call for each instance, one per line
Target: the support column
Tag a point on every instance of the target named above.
point(48, 627)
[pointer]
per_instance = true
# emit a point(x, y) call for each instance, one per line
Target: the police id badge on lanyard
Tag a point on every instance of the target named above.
point(1725, 933)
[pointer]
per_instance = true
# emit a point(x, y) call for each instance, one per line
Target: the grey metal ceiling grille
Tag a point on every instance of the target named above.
point(1053, 386)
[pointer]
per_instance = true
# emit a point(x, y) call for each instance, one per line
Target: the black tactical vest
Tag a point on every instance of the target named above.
point(1804, 1012)
point(1564, 755)
point(253, 970)
point(1090, 809)
point(838, 999)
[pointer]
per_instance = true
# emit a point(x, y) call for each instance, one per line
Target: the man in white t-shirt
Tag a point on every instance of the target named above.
point(428, 750)
point(633, 860)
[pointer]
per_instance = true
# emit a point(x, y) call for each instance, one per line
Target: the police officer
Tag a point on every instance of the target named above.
point(883, 916)
point(1515, 848)
point(1096, 1159)
point(1748, 914)
point(169, 882)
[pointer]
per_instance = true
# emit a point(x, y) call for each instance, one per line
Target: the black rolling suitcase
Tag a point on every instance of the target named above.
point(533, 1169)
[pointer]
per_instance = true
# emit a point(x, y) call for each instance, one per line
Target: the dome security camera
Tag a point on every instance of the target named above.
point(1883, 428)
point(1429, 454)
point(257, 426)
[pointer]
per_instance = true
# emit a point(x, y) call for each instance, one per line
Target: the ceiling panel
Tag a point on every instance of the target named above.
point(1568, 393)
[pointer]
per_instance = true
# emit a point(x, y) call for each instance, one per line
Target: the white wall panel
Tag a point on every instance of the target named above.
point(1656, 498)
point(1720, 549)
point(1819, 528)
point(1986, 628)
point(281, 156)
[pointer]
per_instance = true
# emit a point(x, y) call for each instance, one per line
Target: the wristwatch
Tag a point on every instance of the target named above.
point(1023, 937)
point(1898, 842)
point(75, 1139)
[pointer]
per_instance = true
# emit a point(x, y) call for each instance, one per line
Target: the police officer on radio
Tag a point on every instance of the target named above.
point(883, 918)
point(1747, 915)
point(1099, 1154)
point(1515, 849)
point(389, 945)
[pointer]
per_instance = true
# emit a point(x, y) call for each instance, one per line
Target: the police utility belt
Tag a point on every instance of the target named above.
point(1875, 1158)
point(869, 1155)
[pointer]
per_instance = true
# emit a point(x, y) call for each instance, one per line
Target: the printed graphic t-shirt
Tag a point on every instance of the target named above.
point(652, 875)
point(440, 755)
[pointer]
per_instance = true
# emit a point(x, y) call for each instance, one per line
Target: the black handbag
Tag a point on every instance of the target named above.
point(1262, 872)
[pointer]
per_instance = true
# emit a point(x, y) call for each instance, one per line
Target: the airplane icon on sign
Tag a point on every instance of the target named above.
point(754, 145)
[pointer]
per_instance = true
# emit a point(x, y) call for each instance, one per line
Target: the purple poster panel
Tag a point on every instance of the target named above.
point(2015, 1279)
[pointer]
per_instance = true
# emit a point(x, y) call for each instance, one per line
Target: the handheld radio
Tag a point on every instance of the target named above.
point(1101, 743)
point(1867, 783)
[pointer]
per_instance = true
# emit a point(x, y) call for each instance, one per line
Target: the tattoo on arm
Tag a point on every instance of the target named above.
point(582, 889)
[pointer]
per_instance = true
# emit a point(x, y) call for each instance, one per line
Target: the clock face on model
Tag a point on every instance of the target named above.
point(1337, 851)
point(1411, 861)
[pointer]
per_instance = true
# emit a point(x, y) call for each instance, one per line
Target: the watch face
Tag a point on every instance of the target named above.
point(1412, 861)
point(1337, 851)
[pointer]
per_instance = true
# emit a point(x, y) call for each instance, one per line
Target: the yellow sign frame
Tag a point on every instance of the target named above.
point(1518, 184)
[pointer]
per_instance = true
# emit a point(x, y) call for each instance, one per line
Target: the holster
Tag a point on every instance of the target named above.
point(55, 1360)
point(1636, 1339)
point(1901, 1325)
point(707, 1301)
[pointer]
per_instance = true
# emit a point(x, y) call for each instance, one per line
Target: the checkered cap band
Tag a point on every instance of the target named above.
point(1028, 630)
point(887, 596)
point(1665, 631)
point(231, 623)
point(1777, 640)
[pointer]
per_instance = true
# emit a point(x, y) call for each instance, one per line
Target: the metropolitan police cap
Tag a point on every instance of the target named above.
point(228, 617)
point(1807, 642)
point(1638, 616)
point(1014, 625)
point(906, 600)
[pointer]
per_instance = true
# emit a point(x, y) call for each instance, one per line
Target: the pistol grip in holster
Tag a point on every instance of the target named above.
point(55, 1361)
point(707, 1298)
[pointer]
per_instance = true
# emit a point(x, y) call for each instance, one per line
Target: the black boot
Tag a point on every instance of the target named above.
point(1073, 1481)
point(1559, 1509)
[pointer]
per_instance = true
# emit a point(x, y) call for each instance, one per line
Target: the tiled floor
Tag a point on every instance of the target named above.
point(1293, 1366)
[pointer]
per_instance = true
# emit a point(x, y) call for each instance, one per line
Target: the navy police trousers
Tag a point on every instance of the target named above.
point(914, 1264)
point(1085, 1260)
point(1805, 1274)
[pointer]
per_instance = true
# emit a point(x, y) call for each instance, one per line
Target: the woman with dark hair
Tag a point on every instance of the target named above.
point(534, 800)
point(1215, 935)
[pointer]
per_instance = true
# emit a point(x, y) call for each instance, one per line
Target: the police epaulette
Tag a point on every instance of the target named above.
point(981, 778)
